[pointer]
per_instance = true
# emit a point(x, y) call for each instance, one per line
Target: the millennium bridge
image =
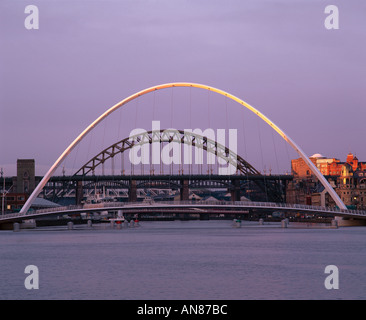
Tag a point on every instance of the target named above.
point(201, 207)
point(244, 176)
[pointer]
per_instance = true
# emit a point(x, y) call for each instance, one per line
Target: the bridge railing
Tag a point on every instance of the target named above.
point(59, 209)
point(269, 205)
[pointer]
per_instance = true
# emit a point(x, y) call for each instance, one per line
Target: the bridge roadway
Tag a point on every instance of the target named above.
point(144, 207)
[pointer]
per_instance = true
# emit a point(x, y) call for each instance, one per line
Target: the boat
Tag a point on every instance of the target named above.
point(118, 220)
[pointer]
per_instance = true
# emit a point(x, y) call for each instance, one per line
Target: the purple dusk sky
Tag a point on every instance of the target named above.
point(88, 55)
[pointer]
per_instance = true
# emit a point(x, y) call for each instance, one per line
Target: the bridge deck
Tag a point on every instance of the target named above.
point(143, 206)
point(168, 177)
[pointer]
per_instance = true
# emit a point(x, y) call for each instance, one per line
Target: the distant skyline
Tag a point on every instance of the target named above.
point(88, 55)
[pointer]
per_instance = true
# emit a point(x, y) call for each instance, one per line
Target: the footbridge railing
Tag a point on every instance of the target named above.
point(184, 204)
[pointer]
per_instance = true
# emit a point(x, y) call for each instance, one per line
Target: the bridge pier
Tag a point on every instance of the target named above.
point(79, 192)
point(235, 190)
point(184, 190)
point(334, 223)
point(284, 223)
point(349, 222)
point(132, 192)
point(16, 227)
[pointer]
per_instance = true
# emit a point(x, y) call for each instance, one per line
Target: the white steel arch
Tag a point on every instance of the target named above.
point(50, 172)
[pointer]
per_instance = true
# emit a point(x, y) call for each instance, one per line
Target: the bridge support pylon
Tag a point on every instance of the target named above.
point(79, 192)
point(132, 192)
point(184, 190)
point(235, 190)
point(349, 222)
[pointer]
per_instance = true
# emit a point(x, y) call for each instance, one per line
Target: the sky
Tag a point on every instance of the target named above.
point(276, 55)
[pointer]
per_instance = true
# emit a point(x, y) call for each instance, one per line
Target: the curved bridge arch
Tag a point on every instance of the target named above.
point(168, 184)
point(223, 184)
point(169, 135)
point(312, 167)
point(119, 184)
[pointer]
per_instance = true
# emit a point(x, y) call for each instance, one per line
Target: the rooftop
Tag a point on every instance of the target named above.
point(317, 155)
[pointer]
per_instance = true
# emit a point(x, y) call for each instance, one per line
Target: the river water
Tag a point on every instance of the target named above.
point(199, 260)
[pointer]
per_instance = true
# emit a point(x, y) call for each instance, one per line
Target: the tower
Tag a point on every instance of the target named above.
point(25, 176)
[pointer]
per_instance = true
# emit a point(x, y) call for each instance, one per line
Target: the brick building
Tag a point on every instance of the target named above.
point(347, 178)
point(351, 186)
point(25, 182)
point(14, 201)
point(21, 186)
